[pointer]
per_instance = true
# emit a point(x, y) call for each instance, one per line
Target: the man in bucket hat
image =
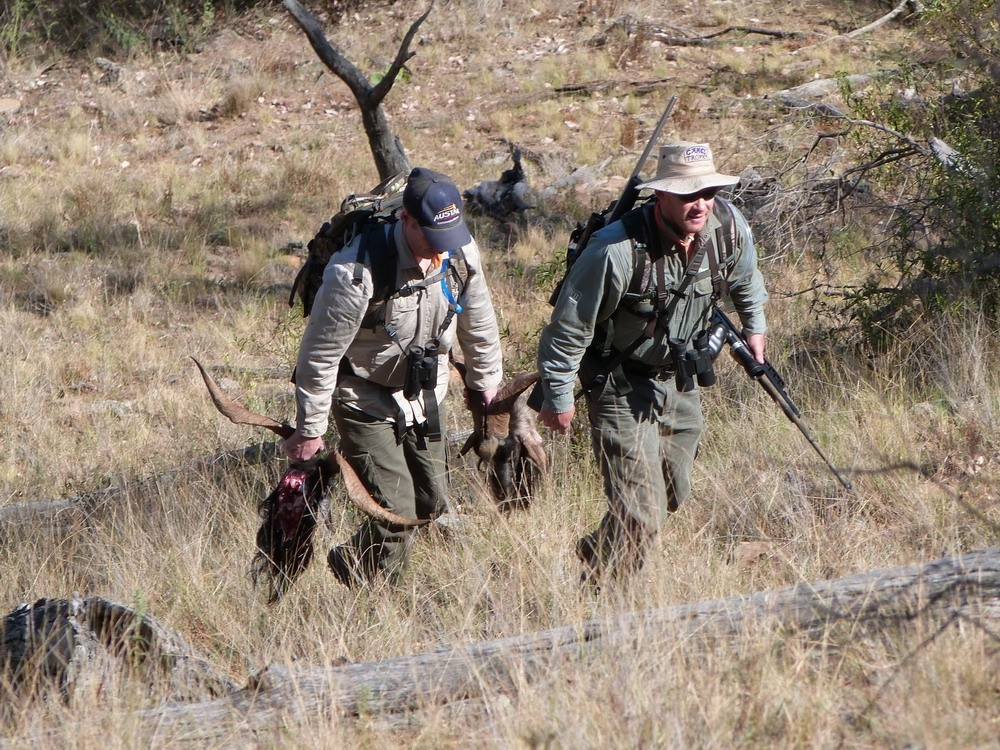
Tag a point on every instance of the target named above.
point(653, 277)
point(380, 361)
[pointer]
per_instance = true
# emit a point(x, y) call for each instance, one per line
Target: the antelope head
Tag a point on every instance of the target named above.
point(332, 463)
point(506, 439)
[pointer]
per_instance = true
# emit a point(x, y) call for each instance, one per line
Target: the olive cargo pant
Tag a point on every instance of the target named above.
point(645, 435)
point(406, 475)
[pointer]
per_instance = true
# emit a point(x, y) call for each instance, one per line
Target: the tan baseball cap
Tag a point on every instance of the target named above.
point(684, 168)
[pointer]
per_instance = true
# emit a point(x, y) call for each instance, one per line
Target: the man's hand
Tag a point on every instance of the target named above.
point(474, 398)
point(557, 422)
point(757, 343)
point(300, 448)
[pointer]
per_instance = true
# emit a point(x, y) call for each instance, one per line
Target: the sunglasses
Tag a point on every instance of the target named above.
point(707, 194)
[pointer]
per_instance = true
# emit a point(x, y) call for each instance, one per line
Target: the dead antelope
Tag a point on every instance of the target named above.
point(505, 438)
point(290, 512)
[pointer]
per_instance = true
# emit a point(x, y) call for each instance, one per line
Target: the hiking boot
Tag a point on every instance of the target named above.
point(586, 551)
point(339, 560)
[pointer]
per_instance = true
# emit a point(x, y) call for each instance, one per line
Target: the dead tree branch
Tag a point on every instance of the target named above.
point(639, 87)
point(775, 33)
point(390, 158)
point(631, 26)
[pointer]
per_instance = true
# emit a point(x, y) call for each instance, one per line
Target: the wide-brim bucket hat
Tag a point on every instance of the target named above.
point(684, 168)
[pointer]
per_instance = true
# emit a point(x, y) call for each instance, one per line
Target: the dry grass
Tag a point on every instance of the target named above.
point(150, 220)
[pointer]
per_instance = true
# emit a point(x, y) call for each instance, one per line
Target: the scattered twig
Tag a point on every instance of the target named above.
point(913, 5)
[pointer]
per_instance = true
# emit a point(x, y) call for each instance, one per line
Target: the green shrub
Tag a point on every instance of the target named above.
point(938, 176)
point(111, 27)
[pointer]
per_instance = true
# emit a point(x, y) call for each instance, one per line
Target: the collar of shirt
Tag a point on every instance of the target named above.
point(406, 257)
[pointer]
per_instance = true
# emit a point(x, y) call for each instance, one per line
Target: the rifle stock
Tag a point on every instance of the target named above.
point(772, 383)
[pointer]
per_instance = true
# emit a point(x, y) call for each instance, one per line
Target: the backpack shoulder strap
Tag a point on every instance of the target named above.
point(378, 248)
point(636, 227)
point(724, 246)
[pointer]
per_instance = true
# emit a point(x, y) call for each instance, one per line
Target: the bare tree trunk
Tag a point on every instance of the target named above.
point(938, 592)
point(390, 158)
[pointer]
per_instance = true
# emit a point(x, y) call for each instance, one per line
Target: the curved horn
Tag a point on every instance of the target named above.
point(508, 394)
point(237, 413)
point(356, 491)
point(363, 501)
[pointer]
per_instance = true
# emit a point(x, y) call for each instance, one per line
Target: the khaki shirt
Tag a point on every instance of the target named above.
point(596, 286)
point(378, 363)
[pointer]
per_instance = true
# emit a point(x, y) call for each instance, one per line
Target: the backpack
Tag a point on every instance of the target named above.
point(368, 212)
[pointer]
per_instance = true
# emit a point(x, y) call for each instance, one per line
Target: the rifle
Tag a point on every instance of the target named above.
point(580, 236)
point(769, 380)
point(630, 194)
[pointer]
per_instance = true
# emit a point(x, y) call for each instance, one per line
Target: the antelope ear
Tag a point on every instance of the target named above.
point(237, 413)
point(536, 452)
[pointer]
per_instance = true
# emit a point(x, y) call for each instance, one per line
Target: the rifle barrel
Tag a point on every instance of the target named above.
point(763, 375)
point(773, 393)
point(656, 134)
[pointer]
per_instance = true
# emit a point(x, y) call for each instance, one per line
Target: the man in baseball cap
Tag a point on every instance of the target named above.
point(433, 201)
point(375, 355)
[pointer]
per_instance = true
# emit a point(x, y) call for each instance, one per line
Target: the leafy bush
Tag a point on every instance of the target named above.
point(937, 161)
point(109, 26)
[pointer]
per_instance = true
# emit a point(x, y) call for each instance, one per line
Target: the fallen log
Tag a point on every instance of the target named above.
point(65, 644)
point(967, 586)
point(913, 6)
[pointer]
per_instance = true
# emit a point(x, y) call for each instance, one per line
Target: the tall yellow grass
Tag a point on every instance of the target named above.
point(141, 226)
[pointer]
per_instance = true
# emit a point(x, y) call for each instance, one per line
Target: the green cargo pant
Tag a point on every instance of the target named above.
point(645, 435)
point(407, 475)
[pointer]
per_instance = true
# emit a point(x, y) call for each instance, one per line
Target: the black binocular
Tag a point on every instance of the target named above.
point(421, 370)
point(697, 364)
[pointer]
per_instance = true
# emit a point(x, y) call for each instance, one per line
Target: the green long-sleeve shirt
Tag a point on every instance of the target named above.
point(596, 286)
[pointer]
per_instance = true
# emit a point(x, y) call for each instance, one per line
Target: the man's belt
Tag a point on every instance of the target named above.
point(641, 369)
